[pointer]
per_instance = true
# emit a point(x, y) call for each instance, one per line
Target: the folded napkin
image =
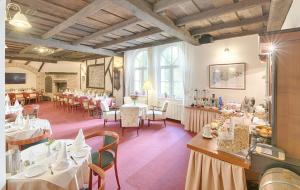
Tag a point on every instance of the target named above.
point(19, 119)
point(79, 141)
point(62, 158)
point(7, 99)
point(7, 108)
point(16, 104)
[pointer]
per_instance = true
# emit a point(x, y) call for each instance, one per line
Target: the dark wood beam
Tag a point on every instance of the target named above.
point(32, 57)
point(165, 4)
point(42, 65)
point(27, 62)
point(278, 12)
point(155, 43)
point(10, 61)
point(90, 9)
point(102, 32)
point(240, 34)
point(232, 24)
point(30, 39)
point(143, 11)
point(29, 59)
point(241, 5)
point(128, 38)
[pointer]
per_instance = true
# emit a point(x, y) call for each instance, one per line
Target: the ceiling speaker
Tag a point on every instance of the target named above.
point(206, 38)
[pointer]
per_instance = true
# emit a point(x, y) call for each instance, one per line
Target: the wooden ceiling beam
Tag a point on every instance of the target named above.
point(27, 62)
point(90, 9)
point(30, 39)
point(241, 5)
point(143, 11)
point(42, 65)
point(130, 37)
point(26, 49)
point(232, 24)
point(34, 57)
point(278, 12)
point(155, 43)
point(240, 34)
point(165, 4)
point(102, 32)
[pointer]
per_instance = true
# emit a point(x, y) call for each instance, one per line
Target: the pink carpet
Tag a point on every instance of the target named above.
point(157, 159)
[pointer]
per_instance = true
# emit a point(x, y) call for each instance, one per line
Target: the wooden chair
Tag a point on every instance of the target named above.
point(106, 156)
point(73, 103)
point(88, 106)
point(130, 117)
point(12, 97)
point(26, 143)
point(32, 110)
point(101, 176)
point(158, 114)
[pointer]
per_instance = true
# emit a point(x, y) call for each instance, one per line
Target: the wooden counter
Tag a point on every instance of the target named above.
point(209, 148)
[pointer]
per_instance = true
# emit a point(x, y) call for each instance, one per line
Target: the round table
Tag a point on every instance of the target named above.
point(72, 178)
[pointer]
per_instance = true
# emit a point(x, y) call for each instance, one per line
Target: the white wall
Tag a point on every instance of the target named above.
point(293, 18)
point(2, 92)
point(30, 78)
point(242, 49)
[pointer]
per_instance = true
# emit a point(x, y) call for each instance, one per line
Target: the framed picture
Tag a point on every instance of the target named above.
point(96, 76)
point(227, 76)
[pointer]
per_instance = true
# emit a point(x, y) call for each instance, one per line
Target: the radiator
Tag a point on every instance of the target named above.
point(175, 110)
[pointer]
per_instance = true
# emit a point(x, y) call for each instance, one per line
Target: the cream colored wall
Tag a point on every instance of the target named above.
point(30, 78)
point(242, 50)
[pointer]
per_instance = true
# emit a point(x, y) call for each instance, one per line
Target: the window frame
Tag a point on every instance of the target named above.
point(170, 67)
point(141, 70)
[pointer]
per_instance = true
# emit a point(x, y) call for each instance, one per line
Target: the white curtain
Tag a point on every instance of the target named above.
point(129, 57)
point(187, 67)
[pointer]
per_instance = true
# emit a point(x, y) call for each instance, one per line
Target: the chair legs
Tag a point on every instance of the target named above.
point(165, 123)
point(117, 176)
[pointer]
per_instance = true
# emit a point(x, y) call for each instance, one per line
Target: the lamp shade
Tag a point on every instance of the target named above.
point(20, 21)
point(147, 85)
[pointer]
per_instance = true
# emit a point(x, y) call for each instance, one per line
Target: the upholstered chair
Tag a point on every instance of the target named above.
point(106, 157)
point(127, 100)
point(107, 114)
point(158, 114)
point(130, 117)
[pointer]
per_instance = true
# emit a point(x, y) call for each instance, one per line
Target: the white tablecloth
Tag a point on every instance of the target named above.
point(143, 108)
point(194, 119)
point(71, 178)
point(207, 173)
point(33, 125)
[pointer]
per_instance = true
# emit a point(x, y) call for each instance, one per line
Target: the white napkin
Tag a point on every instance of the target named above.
point(19, 119)
point(7, 108)
point(17, 104)
point(26, 123)
point(7, 99)
point(79, 141)
point(62, 158)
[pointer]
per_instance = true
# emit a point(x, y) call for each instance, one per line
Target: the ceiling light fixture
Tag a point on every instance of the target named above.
point(18, 20)
point(44, 50)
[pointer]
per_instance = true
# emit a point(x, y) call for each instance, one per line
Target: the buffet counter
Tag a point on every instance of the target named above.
point(212, 169)
point(195, 118)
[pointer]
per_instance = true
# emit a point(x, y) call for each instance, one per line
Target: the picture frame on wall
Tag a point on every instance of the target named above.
point(227, 76)
point(96, 76)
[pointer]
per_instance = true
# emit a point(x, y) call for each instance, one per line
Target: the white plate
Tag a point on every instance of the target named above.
point(80, 154)
point(208, 137)
point(11, 129)
point(35, 170)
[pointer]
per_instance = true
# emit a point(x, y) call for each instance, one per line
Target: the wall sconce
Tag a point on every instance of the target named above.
point(18, 20)
point(118, 63)
point(227, 54)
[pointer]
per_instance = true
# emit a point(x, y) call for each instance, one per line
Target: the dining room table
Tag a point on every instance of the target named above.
point(38, 168)
point(142, 107)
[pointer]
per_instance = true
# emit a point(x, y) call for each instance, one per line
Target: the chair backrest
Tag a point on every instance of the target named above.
point(100, 172)
point(164, 106)
point(110, 138)
point(85, 103)
point(104, 106)
point(127, 100)
point(26, 143)
point(130, 116)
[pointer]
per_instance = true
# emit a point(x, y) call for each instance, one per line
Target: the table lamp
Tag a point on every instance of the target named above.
point(147, 86)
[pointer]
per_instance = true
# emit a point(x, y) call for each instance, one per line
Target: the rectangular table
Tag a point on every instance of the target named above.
point(212, 169)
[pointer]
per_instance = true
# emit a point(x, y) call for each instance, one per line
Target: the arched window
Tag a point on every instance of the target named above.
point(171, 73)
point(140, 71)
